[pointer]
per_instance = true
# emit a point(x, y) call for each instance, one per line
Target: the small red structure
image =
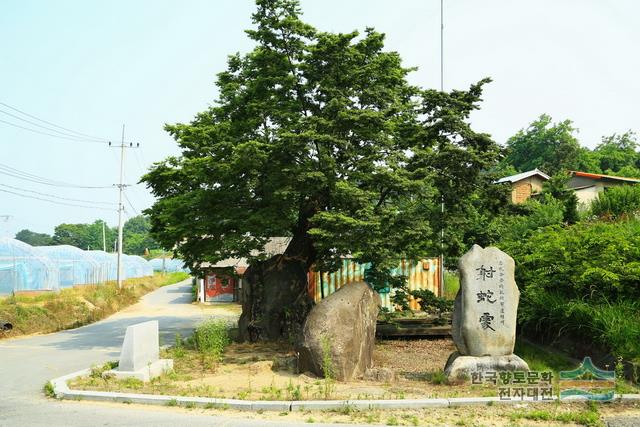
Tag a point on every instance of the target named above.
point(220, 287)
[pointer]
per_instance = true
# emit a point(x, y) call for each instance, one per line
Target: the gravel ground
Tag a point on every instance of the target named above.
point(419, 356)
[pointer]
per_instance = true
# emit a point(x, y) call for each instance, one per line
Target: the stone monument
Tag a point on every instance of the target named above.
point(484, 315)
point(140, 355)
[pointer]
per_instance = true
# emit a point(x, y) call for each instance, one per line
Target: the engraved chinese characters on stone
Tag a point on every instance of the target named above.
point(484, 319)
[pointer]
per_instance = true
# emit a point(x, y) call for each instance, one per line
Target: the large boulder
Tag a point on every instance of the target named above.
point(342, 329)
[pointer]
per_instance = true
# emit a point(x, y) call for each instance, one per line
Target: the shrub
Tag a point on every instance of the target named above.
point(582, 281)
point(617, 202)
point(429, 302)
point(212, 337)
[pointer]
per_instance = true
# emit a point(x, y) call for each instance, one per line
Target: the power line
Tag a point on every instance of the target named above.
point(57, 197)
point(55, 201)
point(69, 135)
point(53, 135)
point(13, 172)
point(53, 124)
point(130, 204)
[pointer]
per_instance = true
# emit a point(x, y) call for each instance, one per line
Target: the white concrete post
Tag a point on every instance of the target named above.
point(201, 287)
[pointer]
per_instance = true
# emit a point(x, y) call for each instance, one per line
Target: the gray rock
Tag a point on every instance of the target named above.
point(342, 326)
point(380, 374)
point(484, 317)
point(459, 366)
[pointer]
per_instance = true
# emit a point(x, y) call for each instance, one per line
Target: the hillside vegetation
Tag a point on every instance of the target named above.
point(77, 306)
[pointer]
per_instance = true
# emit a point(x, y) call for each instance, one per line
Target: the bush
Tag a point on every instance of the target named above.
point(430, 303)
point(617, 202)
point(582, 281)
point(598, 261)
point(537, 214)
point(211, 338)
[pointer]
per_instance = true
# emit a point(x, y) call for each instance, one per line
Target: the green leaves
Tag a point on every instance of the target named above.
point(319, 136)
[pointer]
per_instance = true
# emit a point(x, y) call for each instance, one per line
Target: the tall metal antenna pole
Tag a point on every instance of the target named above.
point(120, 209)
point(442, 196)
point(442, 45)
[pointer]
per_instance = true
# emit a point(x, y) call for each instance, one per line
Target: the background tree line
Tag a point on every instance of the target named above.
point(136, 236)
point(554, 148)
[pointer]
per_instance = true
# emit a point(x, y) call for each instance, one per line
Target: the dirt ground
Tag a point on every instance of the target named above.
point(266, 372)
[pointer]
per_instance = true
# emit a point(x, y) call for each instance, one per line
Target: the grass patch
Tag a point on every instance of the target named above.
point(589, 417)
point(73, 307)
point(212, 337)
point(451, 284)
point(543, 359)
point(48, 389)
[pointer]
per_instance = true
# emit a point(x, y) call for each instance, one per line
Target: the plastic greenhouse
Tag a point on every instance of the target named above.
point(25, 268)
point(135, 266)
point(76, 267)
point(108, 264)
point(169, 265)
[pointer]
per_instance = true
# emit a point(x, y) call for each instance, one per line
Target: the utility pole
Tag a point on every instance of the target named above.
point(104, 239)
point(121, 187)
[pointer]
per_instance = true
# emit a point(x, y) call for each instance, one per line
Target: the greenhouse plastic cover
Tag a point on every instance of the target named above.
point(27, 268)
point(75, 266)
point(169, 265)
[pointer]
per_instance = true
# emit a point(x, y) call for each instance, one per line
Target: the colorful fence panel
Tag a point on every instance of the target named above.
point(423, 274)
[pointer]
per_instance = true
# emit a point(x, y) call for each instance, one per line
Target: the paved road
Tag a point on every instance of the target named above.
point(27, 363)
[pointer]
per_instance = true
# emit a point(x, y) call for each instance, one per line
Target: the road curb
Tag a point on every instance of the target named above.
point(62, 391)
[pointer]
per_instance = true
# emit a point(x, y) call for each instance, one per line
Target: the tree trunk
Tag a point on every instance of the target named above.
point(275, 296)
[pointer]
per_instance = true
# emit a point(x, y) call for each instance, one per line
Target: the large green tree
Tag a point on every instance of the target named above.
point(319, 137)
point(618, 155)
point(550, 147)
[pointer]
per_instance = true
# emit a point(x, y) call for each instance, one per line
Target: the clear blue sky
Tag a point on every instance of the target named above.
point(92, 65)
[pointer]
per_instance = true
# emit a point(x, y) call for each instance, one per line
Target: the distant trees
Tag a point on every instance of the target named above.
point(550, 147)
point(618, 155)
point(136, 236)
point(34, 239)
point(83, 236)
point(554, 148)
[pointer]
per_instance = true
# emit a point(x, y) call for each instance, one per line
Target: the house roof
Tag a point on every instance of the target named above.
point(523, 175)
point(601, 177)
point(275, 246)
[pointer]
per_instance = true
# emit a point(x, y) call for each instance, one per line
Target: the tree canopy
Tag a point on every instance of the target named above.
point(554, 148)
point(320, 137)
point(550, 147)
point(34, 239)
